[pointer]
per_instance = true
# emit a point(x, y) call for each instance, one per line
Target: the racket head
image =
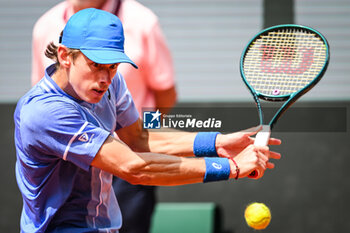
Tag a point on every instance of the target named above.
point(284, 62)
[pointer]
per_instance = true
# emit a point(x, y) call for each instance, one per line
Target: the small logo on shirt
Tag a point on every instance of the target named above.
point(217, 166)
point(84, 137)
point(151, 120)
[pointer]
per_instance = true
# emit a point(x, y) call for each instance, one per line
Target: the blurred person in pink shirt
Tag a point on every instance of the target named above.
point(151, 86)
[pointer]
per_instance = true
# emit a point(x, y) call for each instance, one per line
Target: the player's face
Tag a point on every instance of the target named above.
point(89, 81)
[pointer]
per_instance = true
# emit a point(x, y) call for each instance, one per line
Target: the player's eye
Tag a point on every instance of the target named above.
point(96, 64)
point(114, 66)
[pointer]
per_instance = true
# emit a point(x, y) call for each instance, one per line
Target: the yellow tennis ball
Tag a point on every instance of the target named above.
point(257, 215)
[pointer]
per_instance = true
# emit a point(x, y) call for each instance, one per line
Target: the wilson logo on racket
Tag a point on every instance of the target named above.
point(280, 60)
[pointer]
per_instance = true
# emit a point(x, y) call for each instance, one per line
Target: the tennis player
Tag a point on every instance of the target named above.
point(150, 88)
point(66, 152)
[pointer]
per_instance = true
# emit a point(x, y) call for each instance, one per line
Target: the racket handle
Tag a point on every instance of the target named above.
point(261, 139)
point(263, 136)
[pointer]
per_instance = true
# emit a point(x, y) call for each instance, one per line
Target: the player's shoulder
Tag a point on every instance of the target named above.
point(36, 105)
point(137, 7)
point(138, 14)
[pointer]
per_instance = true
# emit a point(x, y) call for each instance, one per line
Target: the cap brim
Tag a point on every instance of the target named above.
point(107, 56)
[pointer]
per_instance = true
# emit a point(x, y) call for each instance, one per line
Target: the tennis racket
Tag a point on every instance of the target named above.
point(282, 63)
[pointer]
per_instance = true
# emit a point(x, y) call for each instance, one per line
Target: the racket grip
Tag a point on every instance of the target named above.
point(261, 139)
point(263, 136)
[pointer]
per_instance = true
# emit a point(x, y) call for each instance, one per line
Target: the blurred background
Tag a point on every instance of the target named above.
point(309, 189)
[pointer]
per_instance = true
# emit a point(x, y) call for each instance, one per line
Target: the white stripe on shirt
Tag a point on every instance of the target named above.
point(72, 139)
point(50, 85)
point(45, 87)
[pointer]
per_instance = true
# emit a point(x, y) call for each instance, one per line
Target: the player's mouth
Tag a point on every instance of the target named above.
point(99, 92)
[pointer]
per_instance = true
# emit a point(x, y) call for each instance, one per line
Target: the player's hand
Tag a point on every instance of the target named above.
point(255, 158)
point(230, 145)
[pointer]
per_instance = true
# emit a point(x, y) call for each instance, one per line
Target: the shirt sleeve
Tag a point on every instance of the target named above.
point(57, 129)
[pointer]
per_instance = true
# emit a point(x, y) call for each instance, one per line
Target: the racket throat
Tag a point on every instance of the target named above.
point(263, 136)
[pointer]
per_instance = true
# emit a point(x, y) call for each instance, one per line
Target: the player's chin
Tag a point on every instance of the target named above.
point(95, 96)
point(92, 100)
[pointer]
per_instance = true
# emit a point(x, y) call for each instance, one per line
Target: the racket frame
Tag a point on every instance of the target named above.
point(290, 98)
point(263, 136)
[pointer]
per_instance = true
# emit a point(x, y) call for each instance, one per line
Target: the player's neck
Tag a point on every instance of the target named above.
point(61, 78)
point(92, 4)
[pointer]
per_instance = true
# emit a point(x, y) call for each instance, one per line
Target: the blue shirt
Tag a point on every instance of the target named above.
point(56, 139)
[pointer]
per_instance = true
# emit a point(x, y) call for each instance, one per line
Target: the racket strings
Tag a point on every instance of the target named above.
point(284, 61)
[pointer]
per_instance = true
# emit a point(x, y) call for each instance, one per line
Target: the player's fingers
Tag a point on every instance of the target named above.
point(270, 165)
point(271, 154)
point(264, 157)
point(274, 155)
point(262, 164)
point(274, 141)
point(263, 149)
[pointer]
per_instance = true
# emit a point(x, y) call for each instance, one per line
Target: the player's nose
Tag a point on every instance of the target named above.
point(104, 76)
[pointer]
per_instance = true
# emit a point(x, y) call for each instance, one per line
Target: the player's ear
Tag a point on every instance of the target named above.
point(63, 56)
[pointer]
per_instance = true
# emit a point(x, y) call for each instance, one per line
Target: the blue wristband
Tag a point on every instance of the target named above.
point(216, 169)
point(204, 144)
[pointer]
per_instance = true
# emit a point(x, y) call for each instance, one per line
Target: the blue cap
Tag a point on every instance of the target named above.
point(98, 34)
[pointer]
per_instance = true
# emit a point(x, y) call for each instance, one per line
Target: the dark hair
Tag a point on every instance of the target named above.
point(51, 52)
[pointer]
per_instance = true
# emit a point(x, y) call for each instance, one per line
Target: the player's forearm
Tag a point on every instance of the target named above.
point(164, 170)
point(152, 168)
point(174, 143)
point(165, 99)
point(147, 168)
point(171, 142)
